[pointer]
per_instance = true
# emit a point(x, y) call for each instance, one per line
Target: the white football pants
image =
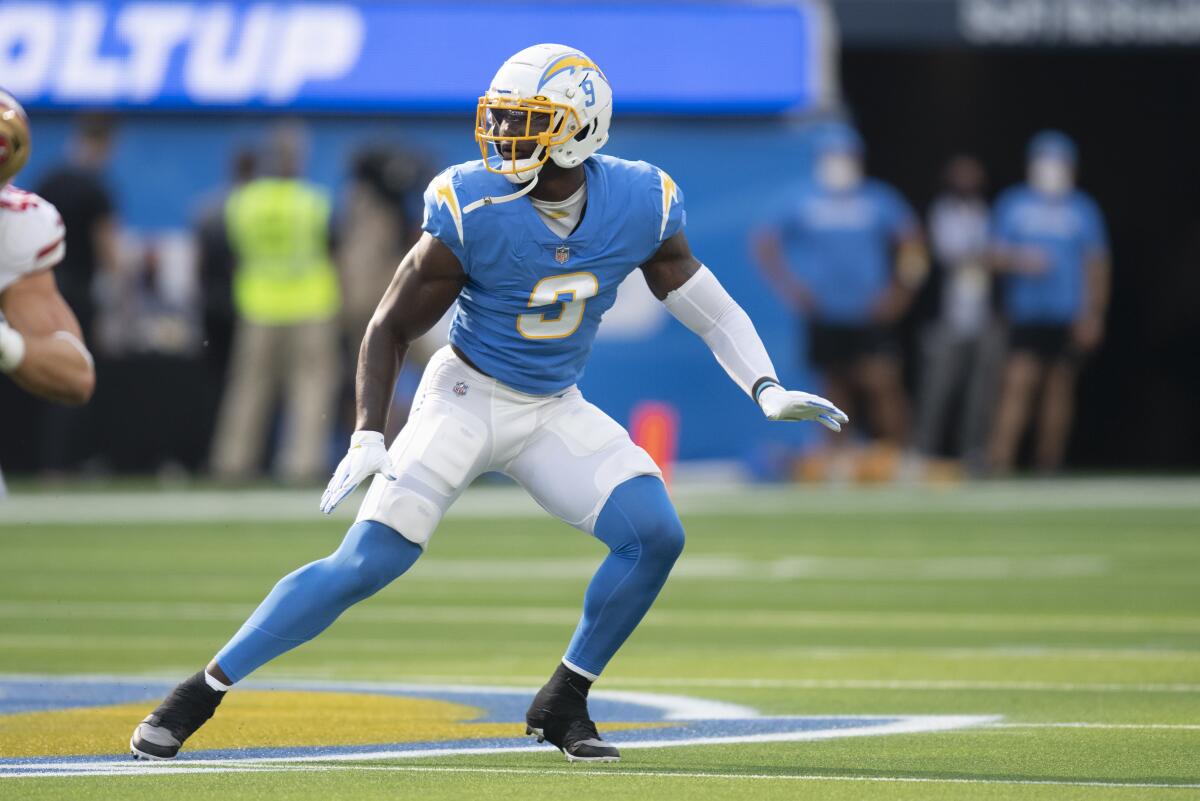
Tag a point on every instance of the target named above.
point(564, 451)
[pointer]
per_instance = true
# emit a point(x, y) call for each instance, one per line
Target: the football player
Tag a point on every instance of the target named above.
point(41, 344)
point(532, 241)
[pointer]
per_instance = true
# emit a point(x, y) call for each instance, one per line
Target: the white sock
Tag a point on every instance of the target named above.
point(580, 671)
point(213, 683)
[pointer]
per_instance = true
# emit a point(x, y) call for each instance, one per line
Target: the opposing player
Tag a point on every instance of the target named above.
point(41, 345)
point(533, 271)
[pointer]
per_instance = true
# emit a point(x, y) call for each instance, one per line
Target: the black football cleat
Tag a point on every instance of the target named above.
point(162, 733)
point(559, 715)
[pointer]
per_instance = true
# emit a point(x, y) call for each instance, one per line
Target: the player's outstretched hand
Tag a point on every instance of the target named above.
point(366, 457)
point(778, 403)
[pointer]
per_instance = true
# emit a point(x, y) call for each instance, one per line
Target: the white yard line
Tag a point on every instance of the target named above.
point(204, 505)
point(732, 567)
point(620, 683)
point(380, 611)
point(1094, 725)
point(916, 685)
point(612, 773)
point(814, 652)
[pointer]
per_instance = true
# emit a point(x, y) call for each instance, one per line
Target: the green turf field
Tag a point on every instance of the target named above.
point(1070, 611)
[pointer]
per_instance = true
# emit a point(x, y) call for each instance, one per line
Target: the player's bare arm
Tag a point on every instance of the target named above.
point(41, 345)
point(425, 285)
point(696, 298)
point(671, 266)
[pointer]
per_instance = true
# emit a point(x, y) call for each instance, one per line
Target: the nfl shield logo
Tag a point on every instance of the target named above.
point(460, 388)
point(562, 254)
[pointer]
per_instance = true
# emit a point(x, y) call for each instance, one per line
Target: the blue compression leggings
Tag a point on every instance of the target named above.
point(645, 537)
point(305, 602)
point(638, 524)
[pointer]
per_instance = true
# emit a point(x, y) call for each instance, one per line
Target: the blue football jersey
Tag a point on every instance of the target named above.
point(840, 244)
point(532, 303)
point(1067, 231)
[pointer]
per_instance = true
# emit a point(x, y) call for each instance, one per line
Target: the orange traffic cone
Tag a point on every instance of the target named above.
point(654, 426)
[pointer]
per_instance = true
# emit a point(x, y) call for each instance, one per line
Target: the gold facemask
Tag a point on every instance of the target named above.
point(545, 123)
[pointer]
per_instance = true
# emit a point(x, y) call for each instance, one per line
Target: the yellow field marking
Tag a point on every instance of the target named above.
point(252, 719)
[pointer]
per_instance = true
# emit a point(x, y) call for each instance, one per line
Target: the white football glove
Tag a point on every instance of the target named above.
point(778, 403)
point(366, 457)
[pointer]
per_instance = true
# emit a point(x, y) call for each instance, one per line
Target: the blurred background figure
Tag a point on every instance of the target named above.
point(377, 228)
point(287, 298)
point(962, 348)
point(215, 264)
point(847, 258)
point(380, 221)
point(1051, 245)
point(79, 189)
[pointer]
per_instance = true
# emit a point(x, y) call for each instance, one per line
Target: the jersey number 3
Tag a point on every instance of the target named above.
point(571, 292)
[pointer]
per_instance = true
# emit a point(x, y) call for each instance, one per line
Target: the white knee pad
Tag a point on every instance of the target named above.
point(444, 448)
point(439, 453)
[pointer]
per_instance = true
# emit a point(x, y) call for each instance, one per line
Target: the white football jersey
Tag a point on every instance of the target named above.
point(31, 235)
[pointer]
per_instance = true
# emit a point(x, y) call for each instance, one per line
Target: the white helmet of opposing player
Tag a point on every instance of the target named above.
point(548, 102)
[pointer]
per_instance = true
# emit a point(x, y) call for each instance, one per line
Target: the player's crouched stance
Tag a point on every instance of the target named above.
point(533, 271)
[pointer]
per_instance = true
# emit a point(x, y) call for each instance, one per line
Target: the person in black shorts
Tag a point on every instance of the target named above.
point(847, 257)
point(1047, 342)
point(1051, 248)
point(834, 346)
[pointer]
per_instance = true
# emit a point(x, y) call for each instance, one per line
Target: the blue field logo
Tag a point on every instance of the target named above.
point(80, 725)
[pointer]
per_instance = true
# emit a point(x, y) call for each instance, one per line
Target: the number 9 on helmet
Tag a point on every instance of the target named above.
point(549, 102)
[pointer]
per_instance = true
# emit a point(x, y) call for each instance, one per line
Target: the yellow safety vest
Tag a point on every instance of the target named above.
point(279, 231)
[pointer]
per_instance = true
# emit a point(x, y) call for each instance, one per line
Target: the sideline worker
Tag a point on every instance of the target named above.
point(286, 296)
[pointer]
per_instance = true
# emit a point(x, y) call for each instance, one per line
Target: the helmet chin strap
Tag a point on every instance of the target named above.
point(491, 201)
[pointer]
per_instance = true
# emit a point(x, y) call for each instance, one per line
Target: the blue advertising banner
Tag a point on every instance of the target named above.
point(407, 57)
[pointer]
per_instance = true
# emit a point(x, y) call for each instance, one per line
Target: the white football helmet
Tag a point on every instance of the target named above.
point(549, 101)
